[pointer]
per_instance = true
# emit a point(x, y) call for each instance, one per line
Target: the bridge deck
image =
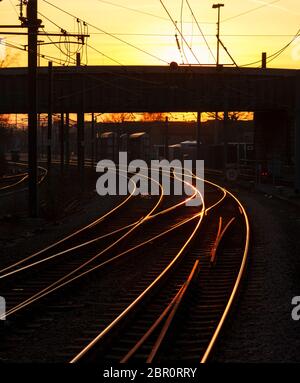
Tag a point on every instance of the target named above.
point(152, 89)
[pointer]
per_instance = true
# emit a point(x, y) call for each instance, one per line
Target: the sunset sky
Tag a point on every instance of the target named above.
point(248, 28)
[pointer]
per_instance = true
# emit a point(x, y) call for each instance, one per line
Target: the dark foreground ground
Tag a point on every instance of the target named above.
point(261, 328)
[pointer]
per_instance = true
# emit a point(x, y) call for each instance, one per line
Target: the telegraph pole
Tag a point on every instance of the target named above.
point(33, 26)
point(218, 6)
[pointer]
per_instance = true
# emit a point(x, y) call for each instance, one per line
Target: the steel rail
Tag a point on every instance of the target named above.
point(76, 233)
point(174, 309)
point(25, 303)
point(22, 180)
point(48, 291)
point(34, 298)
point(53, 287)
point(219, 238)
point(148, 290)
point(236, 287)
point(175, 299)
point(152, 216)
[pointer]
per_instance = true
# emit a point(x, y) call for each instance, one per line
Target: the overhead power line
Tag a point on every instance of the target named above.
point(25, 49)
point(104, 55)
point(198, 25)
point(276, 54)
point(108, 34)
point(182, 50)
point(14, 7)
point(190, 35)
point(178, 30)
point(139, 11)
point(250, 11)
point(133, 10)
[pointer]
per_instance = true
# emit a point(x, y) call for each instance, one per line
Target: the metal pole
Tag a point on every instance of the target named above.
point(67, 138)
point(97, 140)
point(218, 6)
point(62, 143)
point(198, 135)
point(218, 38)
point(80, 130)
point(167, 139)
point(225, 129)
point(93, 140)
point(32, 107)
point(264, 60)
point(216, 132)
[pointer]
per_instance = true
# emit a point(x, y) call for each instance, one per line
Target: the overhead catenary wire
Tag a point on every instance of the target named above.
point(70, 55)
point(139, 11)
point(190, 35)
point(52, 22)
point(274, 55)
point(133, 10)
point(104, 55)
point(250, 10)
point(108, 33)
point(181, 30)
point(175, 25)
point(200, 29)
point(24, 49)
point(14, 8)
point(270, 58)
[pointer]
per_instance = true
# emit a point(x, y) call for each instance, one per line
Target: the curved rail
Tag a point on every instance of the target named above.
point(23, 179)
point(60, 283)
point(236, 285)
point(148, 217)
point(176, 301)
point(68, 237)
point(149, 289)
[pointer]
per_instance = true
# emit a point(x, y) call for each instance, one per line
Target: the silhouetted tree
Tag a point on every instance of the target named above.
point(119, 117)
point(154, 116)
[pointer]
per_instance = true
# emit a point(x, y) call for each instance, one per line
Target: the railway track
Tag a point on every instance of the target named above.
point(11, 181)
point(180, 318)
point(17, 183)
point(169, 267)
point(79, 256)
